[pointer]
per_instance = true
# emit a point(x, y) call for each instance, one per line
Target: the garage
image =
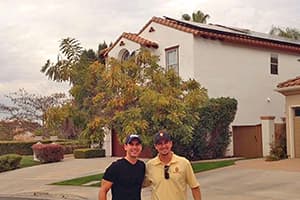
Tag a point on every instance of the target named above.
point(247, 141)
point(291, 90)
point(297, 131)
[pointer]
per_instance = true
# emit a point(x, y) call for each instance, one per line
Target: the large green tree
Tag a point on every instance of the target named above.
point(138, 96)
point(70, 55)
point(59, 121)
point(134, 96)
point(197, 16)
point(71, 62)
point(72, 66)
point(287, 32)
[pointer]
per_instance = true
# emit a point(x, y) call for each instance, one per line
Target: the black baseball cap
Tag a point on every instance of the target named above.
point(161, 136)
point(132, 137)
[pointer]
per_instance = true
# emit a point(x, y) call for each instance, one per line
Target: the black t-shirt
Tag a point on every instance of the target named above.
point(127, 179)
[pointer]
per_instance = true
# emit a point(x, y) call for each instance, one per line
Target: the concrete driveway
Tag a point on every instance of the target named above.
point(33, 181)
point(253, 180)
point(247, 180)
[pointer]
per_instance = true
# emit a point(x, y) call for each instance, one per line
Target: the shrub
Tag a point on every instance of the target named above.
point(89, 153)
point(24, 148)
point(211, 136)
point(278, 149)
point(48, 152)
point(9, 162)
point(69, 147)
point(16, 147)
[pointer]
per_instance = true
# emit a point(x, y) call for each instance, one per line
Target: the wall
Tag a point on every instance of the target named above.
point(243, 72)
point(168, 37)
point(129, 45)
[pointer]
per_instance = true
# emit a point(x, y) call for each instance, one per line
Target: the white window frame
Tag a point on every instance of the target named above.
point(172, 64)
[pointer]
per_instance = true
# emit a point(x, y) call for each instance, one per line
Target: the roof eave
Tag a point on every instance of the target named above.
point(291, 90)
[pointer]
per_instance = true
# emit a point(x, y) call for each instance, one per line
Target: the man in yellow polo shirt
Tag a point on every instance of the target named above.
point(169, 174)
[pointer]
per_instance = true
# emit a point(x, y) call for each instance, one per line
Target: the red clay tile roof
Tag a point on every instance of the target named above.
point(208, 34)
point(242, 39)
point(290, 83)
point(172, 24)
point(133, 37)
point(142, 41)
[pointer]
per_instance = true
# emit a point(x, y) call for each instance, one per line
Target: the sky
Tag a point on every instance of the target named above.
point(31, 30)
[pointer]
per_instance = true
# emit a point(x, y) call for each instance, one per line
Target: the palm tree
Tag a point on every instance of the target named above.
point(62, 70)
point(287, 32)
point(198, 17)
point(186, 17)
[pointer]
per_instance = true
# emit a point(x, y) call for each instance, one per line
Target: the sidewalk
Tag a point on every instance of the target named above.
point(252, 179)
point(290, 165)
point(33, 180)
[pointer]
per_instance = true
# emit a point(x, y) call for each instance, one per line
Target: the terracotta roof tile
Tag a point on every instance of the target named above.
point(206, 33)
point(222, 36)
point(290, 83)
point(133, 37)
point(142, 41)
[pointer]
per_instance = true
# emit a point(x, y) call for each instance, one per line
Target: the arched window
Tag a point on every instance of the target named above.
point(124, 55)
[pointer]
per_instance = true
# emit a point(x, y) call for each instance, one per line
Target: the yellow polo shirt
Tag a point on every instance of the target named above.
point(174, 188)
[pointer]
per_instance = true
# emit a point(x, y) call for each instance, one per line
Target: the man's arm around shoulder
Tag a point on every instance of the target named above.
point(105, 187)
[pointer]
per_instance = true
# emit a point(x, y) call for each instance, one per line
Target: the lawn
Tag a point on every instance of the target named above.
point(95, 179)
point(82, 180)
point(200, 167)
point(27, 161)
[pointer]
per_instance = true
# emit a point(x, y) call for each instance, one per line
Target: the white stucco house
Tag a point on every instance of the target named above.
point(229, 62)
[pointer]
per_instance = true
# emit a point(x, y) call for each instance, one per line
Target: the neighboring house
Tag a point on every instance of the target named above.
point(10, 128)
point(229, 62)
point(291, 90)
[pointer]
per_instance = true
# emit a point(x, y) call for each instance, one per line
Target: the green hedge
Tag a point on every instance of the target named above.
point(69, 147)
point(89, 153)
point(211, 135)
point(16, 147)
point(24, 148)
point(9, 162)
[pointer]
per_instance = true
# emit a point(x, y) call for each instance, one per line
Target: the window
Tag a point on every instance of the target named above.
point(123, 55)
point(297, 112)
point(172, 61)
point(274, 64)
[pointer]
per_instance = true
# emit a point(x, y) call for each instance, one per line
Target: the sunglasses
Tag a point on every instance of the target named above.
point(166, 170)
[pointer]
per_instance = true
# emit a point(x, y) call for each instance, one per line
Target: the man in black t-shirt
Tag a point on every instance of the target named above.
point(125, 176)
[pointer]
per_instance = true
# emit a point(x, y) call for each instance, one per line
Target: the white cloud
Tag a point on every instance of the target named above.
point(256, 15)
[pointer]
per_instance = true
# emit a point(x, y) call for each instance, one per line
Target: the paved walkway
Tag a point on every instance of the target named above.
point(248, 180)
point(253, 179)
point(289, 165)
point(34, 180)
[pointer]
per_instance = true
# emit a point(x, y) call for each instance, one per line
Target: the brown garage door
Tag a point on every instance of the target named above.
point(247, 141)
point(297, 136)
